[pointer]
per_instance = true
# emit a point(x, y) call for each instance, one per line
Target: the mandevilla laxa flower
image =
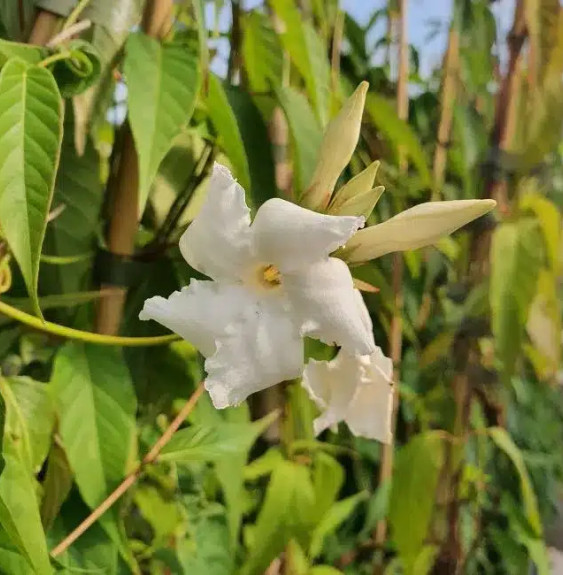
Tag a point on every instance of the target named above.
point(274, 282)
point(354, 389)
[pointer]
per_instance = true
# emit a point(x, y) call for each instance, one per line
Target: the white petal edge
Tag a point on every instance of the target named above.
point(292, 238)
point(199, 313)
point(414, 228)
point(328, 307)
point(262, 349)
point(354, 389)
point(218, 243)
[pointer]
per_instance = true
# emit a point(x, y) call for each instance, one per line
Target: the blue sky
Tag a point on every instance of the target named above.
point(424, 16)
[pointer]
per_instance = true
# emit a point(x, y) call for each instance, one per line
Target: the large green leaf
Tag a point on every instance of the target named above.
point(96, 409)
point(398, 133)
point(517, 255)
point(306, 135)
point(56, 486)
point(308, 53)
point(415, 478)
point(30, 138)
point(163, 81)
point(285, 515)
point(261, 51)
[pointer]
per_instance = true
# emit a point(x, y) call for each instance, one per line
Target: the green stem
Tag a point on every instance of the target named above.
point(75, 14)
point(66, 260)
point(71, 333)
point(55, 58)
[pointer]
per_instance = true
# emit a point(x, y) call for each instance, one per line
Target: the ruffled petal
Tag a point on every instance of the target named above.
point(354, 389)
point(328, 306)
point(262, 349)
point(218, 242)
point(200, 313)
point(332, 385)
point(370, 412)
point(292, 238)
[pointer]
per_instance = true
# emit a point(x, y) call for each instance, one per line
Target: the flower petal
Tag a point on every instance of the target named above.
point(199, 313)
point(262, 349)
point(217, 243)
point(292, 238)
point(332, 385)
point(370, 412)
point(329, 308)
point(415, 228)
point(355, 389)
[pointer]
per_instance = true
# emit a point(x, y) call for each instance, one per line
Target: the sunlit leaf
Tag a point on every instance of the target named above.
point(160, 108)
point(30, 139)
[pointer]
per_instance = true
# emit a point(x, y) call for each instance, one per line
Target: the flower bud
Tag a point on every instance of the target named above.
point(337, 147)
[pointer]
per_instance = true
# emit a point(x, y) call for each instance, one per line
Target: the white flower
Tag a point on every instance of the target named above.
point(274, 282)
point(355, 389)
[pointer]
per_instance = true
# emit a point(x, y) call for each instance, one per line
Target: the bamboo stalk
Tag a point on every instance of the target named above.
point(396, 343)
point(123, 186)
point(466, 352)
point(44, 28)
point(449, 91)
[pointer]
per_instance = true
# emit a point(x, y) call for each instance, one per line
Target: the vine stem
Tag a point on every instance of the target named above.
point(130, 480)
point(77, 334)
point(75, 14)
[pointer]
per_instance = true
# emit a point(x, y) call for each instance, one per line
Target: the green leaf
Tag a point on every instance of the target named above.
point(160, 108)
point(415, 478)
point(306, 135)
point(19, 510)
point(285, 515)
point(517, 254)
point(76, 74)
point(398, 133)
point(30, 419)
point(228, 130)
point(256, 144)
point(56, 486)
point(333, 518)
point(31, 54)
point(261, 52)
point(79, 194)
point(204, 443)
point(96, 408)
point(308, 53)
point(30, 139)
point(504, 442)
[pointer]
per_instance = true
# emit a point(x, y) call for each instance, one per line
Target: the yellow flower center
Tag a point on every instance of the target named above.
point(269, 276)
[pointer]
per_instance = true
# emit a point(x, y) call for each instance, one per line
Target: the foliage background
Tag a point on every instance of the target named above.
point(478, 458)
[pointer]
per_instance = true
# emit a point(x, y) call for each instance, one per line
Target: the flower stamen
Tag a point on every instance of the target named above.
point(269, 276)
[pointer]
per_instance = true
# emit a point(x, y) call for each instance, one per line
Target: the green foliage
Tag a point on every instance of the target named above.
point(410, 507)
point(517, 254)
point(31, 127)
point(158, 111)
point(250, 490)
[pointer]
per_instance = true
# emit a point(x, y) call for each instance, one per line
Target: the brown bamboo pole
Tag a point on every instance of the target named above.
point(466, 352)
point(123, 185)
point(396, 339)
point(44, 27)
point(449, 91)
